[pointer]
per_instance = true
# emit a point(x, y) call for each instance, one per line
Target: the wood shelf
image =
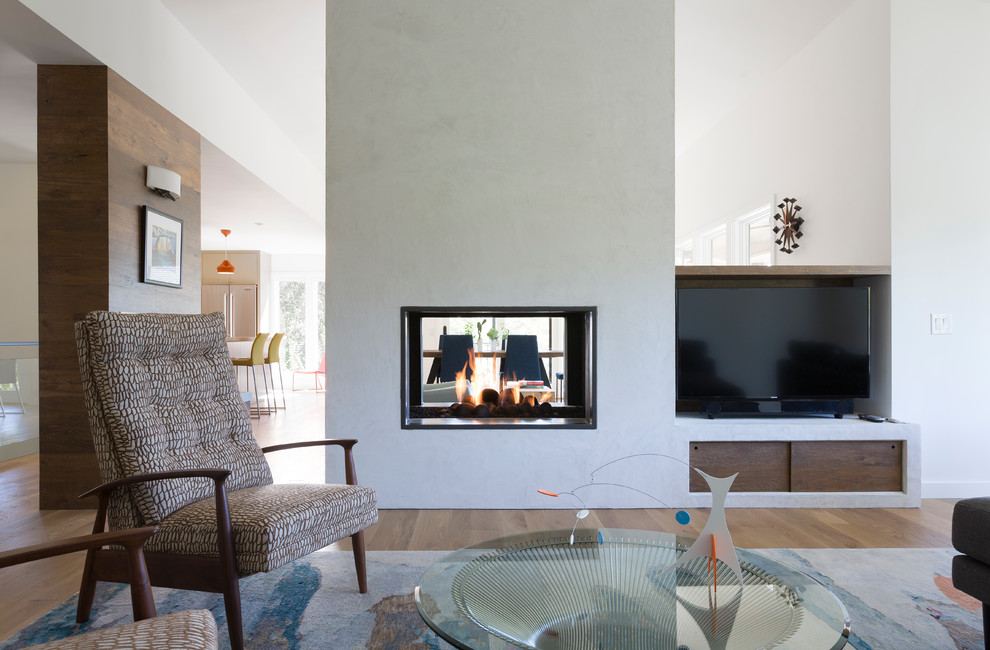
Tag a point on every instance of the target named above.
point(780, 271)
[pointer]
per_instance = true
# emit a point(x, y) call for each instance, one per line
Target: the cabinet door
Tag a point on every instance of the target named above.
point(214, 298)
point(242, 321)
point(847, 466)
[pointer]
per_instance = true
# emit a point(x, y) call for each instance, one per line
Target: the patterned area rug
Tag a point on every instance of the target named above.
point(897, 598)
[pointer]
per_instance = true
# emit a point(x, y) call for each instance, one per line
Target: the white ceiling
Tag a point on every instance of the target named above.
point(724, 49)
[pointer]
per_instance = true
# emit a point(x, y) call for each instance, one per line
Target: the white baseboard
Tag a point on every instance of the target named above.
point(954, 489)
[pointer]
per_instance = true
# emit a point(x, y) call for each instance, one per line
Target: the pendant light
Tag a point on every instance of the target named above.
point(225, 268)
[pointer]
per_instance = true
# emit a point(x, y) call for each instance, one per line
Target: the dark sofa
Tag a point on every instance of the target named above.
point(971, 536)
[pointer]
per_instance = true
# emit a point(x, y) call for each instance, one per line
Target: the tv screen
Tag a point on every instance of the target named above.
point(773, 343)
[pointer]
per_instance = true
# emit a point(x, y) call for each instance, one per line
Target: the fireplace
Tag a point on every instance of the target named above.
point(475, 384)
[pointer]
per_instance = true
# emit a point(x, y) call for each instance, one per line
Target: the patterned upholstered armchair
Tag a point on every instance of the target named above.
point(176, 451)
point(190, 629)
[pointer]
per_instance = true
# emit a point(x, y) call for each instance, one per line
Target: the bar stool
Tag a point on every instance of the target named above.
point(256, 359)
point(274, 357)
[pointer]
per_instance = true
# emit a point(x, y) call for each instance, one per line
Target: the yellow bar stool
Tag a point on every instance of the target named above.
point(256, 359)
point(274, 356)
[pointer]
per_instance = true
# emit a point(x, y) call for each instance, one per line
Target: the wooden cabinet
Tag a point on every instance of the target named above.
point(802, 466)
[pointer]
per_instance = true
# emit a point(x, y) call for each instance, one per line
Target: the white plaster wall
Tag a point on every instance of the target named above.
point(19, 273)
point(817, 130)
point(19, 252)
point(940, 232)
point(463, 139)
point(146, 44)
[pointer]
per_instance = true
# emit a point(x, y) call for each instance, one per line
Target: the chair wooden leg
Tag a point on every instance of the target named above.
point(232, 606)
point(87, 589)
point(357, 542)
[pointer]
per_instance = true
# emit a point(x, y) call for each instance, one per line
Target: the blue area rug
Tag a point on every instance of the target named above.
point(897, 598)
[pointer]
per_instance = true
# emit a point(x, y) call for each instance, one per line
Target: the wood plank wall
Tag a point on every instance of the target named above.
point(96, 135)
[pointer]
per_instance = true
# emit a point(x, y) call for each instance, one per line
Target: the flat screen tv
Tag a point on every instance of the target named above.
point(773, 350)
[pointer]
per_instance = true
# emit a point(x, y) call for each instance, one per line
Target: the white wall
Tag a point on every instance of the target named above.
point(19, 252)
point(940, 232)
point(19, 272)
point(462, 138)
point(817, 130)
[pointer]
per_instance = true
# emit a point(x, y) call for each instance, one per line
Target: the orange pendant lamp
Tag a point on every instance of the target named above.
point(225, 268)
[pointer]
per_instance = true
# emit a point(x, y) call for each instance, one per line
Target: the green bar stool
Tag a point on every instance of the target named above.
point(256, 359)
point(274, 351)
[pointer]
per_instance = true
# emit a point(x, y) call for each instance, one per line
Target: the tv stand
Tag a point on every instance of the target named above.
point(771, 408)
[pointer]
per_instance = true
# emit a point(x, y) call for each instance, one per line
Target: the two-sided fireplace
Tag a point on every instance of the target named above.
point(478, 380)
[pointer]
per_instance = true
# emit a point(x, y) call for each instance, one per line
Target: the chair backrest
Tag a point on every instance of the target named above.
point(161, 395)
point(273, 348)
point(258, 349)
point(323, 364)
point(522, 358)
point(454, 354)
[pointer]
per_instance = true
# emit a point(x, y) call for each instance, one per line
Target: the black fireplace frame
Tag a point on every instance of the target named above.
point(580, 358)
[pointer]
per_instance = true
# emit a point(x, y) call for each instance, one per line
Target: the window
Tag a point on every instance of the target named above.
point(743, 240)
point(755, 237)
point(301, 307)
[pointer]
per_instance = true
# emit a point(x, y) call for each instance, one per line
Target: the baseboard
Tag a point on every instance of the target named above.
point(954, 489)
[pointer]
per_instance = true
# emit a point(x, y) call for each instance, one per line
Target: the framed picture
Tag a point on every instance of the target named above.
point(162, 249)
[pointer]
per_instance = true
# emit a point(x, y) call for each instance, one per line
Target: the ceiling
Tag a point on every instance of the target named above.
point(724, 49)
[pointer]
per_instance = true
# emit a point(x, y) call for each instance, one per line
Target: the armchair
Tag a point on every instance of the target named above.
point(176, 450)
point(188, 629)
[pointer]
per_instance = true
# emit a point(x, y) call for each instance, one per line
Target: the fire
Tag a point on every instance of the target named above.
point(461, 383)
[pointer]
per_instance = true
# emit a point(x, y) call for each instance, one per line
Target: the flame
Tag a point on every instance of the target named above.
point(461, 384)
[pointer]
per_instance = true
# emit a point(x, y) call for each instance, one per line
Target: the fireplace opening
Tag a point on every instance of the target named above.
point(505, 367)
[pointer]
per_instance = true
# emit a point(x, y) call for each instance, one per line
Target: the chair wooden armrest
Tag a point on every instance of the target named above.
point(350, 473)
point(133, 542)
point(225, 533)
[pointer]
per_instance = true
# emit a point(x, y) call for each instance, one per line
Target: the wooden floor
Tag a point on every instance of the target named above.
point(28, 591)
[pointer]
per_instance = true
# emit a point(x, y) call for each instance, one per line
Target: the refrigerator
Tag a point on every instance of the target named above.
point(239, 304)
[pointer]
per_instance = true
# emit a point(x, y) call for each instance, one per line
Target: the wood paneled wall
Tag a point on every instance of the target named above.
point(96, 135)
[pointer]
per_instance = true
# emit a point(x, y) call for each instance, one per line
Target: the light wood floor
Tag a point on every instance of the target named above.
point(28, 591)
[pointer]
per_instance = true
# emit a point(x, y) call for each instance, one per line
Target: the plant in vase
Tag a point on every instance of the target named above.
point(493, 335)
point(480, 324)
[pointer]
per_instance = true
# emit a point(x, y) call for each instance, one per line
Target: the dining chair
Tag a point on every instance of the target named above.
point(176, 451)
point(318, 375)
point(274, 357)
point(256, 359)
point(522, 360)
point(455, 351)
point(8, 377)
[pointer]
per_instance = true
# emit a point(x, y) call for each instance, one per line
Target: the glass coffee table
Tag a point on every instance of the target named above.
point(612, 589)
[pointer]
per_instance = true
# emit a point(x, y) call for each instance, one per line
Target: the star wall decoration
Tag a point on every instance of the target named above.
point(789, 229)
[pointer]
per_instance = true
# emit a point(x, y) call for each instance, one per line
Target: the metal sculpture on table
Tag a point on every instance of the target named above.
point(714, 543)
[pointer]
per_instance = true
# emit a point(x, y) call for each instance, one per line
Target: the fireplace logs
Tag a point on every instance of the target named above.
point(506, 404)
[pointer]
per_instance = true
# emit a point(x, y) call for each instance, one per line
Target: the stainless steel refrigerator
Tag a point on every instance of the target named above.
point(239, 304)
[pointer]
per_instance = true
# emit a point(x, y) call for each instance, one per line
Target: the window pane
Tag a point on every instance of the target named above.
point(292, 321)
point(760, 238)
point(718, 250)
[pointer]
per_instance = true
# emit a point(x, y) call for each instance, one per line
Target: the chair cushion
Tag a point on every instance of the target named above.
point(190, 629)
point(273, 524)
point(971, 577)
point(971, 528)
point(161, 395)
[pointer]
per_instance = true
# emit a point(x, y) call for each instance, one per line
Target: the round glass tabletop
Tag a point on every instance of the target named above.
point(618, 589)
